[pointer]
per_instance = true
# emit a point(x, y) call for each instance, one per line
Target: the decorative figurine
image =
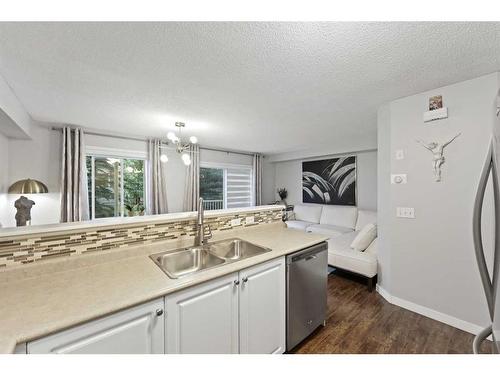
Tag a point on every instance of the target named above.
point(23, 213)
point(437, 155)
point(283, 193)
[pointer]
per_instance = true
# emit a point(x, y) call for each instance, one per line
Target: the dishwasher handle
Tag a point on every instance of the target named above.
point(307, 254)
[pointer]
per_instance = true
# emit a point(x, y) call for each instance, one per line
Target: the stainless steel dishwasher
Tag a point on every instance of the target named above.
point(306, 279)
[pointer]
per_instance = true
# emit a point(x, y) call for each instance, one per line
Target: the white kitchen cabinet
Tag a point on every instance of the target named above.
point(262, 308)
point(203, 318)
point(240, 313)
point(243, 312)
point(138, 330)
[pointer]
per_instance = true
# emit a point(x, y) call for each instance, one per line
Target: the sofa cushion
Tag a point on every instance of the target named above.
point(372, 248)
point(341, 216)
point(365, 237)
point(342, 242)
point(298, 224)
point(341, 255)
point(328, 230)
point(307, 213)
point(365, 217)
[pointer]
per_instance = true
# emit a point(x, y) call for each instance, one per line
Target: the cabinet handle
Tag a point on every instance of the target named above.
point(159, 312)
point(245, 279)
point(236, 282)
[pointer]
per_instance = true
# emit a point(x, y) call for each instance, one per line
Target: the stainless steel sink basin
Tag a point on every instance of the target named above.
point(187, 261)
point(235, 249)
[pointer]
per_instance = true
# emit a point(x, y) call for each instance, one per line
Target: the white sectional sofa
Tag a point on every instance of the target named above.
point(342, 224)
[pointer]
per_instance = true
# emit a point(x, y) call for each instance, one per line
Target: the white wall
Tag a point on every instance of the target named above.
point(384, 211)
point(268, 181)
point(15, 122)
point(288, 174)
point(430, 260)
point(210, 156)
point(4, 170)
point(4, 164)
point(38, 159)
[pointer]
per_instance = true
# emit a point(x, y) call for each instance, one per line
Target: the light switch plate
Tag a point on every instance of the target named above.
point(400, 154)
point(235, 222)
point(406, 212)
point(398, 178)
point(249, 220)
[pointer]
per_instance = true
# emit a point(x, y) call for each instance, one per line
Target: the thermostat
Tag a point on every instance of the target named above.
point(398, 179)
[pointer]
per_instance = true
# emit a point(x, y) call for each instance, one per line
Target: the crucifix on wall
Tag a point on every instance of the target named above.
point(437, 150)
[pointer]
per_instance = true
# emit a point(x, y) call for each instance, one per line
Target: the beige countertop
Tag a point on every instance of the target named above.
point(69, 293)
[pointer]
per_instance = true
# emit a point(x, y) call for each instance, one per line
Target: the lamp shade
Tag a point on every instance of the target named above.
point(28, 186)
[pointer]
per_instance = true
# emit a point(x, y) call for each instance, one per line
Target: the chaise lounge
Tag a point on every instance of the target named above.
point(342, 224)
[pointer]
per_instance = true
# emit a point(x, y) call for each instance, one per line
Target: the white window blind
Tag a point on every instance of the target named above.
point(238, 187)
point(226, 186)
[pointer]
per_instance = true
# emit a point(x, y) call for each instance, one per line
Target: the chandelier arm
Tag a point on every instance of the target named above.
point(176, 143)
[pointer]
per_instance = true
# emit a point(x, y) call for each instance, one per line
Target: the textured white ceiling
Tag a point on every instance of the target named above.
point(266, 87)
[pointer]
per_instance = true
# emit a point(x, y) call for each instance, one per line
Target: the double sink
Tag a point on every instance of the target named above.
point(191, 260)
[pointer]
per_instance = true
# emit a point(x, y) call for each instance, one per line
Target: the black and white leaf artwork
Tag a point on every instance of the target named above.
point(330, 181)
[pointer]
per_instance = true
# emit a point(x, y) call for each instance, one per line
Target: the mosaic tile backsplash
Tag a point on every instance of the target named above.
point(18, 251)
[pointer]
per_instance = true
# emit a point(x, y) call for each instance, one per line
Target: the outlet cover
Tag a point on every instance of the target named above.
point(406, 212)
point(400, 154)
point(249, 220)
point(236, 222)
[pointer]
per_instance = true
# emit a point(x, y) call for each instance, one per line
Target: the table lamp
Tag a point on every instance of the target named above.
point(23, 204)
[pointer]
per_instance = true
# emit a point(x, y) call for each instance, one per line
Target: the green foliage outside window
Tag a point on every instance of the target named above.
point(133, 187)
point(108, 190)
point(212, 183)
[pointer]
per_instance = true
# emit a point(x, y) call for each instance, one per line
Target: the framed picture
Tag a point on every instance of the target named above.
point(435, 102)
point(330, 181)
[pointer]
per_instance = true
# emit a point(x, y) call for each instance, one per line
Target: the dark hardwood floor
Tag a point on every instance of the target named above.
point(363, 322)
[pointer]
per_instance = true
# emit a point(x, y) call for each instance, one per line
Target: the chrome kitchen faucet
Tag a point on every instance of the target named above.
point(201, 237)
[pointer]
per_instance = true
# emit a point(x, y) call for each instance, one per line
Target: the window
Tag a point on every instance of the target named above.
point(116, 186)
point(226, 186)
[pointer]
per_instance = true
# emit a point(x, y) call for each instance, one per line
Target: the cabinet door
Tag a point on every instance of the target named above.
point(204, 318)
point(262, 308)
point(138, 330)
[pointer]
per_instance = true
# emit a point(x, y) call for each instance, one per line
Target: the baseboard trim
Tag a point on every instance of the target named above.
point(433, 314)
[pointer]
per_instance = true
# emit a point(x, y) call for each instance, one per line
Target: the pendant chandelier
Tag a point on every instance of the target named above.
point(178, 144)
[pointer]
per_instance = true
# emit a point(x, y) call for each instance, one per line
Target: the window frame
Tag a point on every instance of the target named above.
point(115, 153)
point(225, 167)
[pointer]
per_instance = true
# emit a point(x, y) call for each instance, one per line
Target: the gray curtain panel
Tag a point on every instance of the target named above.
point(156, 180)
point(192, 189)
point(257, 178)
point(74, 193)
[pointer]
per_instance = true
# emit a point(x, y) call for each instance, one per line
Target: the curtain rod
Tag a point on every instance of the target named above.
point(145, 140)
point(106, 135)
point(227, 151)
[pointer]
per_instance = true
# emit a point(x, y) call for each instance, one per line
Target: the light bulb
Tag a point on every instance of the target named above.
point(186, 159)
point(163, 158)
point(171, 136)
point(193, 139)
